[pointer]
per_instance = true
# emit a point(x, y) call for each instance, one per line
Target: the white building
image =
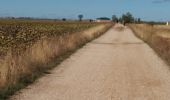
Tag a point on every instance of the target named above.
point(167, 23)
point(103, 19)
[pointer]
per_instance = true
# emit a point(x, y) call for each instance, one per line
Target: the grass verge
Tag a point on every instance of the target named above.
point(20, 70)
point(158, 38)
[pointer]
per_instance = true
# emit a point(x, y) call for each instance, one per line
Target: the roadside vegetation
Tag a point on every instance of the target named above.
point(29, 48)
point(157, 36)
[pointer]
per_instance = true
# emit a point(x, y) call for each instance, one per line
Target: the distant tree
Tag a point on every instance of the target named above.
point(127, 18)
point(64, 19)
point(80, 17)
point(12, 17)
point(139, 20)
point(91, 20)
point(120, 20)
point(114, 18)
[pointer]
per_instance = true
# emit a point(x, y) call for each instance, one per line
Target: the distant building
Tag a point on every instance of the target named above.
point(103, 19)
point(167, 23)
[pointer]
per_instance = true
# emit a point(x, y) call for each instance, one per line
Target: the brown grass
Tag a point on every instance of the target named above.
point(158, 37)
point(20, 69)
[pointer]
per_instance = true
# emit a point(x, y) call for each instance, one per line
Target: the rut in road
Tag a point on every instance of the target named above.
point(116, 66)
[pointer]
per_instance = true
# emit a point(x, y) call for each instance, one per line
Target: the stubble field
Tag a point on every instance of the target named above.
point(29, 47)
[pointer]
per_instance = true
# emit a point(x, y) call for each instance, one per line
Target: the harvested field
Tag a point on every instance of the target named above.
point(28, 47)
point(157, 36)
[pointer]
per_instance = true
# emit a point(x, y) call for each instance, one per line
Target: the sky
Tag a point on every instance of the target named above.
point(150, 10)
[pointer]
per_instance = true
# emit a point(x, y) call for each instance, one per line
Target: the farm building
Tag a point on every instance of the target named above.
point(167, 23)
point(103, 19)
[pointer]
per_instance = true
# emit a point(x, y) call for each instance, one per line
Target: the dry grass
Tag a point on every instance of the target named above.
point(20, 69)
point(161, 26)
point(158, 37)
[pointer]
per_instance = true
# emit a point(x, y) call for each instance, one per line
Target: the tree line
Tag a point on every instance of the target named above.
point(126, 18)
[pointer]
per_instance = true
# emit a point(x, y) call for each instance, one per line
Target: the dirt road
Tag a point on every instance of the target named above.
point(116, 66)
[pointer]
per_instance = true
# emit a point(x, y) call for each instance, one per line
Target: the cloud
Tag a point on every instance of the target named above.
point(160, 1)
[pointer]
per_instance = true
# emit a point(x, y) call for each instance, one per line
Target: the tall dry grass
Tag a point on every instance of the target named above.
point(18, 69)
point(157, 36)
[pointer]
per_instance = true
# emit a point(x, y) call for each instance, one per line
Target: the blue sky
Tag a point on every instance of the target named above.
point(157, 10)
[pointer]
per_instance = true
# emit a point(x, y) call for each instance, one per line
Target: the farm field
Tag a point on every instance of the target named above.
point(20, 34)
point(28, 46)
point(162, 27)
point(157, 36)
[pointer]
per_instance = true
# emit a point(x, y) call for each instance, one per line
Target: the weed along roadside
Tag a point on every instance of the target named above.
point(21, 67)
point(157, 36)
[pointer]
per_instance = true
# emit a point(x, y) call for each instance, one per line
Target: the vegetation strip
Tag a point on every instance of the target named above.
point(39, 47)
point(157, 36)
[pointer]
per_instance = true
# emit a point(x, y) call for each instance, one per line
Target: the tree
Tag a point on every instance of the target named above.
point(91, 20)
point(127, 18)
point(114, 18)
point(80, 17)
point(64, 19)
point(139, 20)
point(120, 20)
